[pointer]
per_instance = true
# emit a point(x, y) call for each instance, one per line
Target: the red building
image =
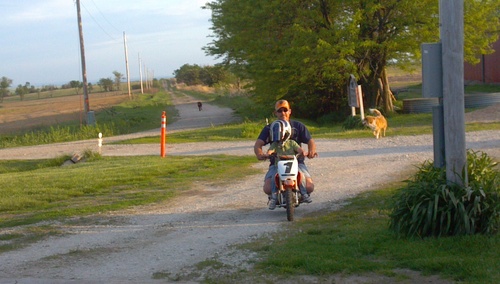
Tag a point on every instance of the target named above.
point(487, 71)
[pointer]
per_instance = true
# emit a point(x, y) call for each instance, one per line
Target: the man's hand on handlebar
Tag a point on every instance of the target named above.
point(311, 155)
point(262, 157)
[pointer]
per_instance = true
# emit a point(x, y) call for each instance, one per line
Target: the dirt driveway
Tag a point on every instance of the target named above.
point(166, 241)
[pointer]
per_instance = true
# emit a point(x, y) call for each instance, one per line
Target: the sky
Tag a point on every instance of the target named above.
point(39, 40)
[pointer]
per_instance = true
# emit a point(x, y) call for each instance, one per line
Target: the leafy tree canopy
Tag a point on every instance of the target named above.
point(106, 84)
point(4, 87)
point(118, 79)
point(195, 75)
point(305, 50)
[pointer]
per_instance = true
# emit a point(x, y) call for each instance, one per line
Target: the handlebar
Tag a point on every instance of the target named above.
point(285, 157)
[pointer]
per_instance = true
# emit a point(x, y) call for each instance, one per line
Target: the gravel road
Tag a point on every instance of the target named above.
point(167, 240)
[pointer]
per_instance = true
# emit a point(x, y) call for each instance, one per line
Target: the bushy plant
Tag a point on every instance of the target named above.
point(352, 122)
point(331, 118)
point(428, 206)
point(90, 155)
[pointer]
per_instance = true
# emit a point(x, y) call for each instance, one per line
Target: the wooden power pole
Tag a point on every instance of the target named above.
point(452, 39)
point(84, 68)
point(126, 65)
point(140, 73)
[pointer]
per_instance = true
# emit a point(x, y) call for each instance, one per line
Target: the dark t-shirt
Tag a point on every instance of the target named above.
point(300, 134)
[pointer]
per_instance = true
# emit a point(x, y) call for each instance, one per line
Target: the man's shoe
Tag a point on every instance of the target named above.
point(306, 198)
point(272, 204)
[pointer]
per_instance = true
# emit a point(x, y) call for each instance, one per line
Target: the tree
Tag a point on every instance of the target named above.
point(396, 29)
point(481, 27)
point(197, 75)
point(118, 79)
point(4, 87)
point(106, 84)
point(305, 49)
point(23, 90)
point(265, 42)
point(389, 30)
point(188, 74)
point(76, 85)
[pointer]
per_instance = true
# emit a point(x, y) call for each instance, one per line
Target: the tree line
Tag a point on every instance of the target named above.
point(305, 50)
point(106, 85)
point(201, 75)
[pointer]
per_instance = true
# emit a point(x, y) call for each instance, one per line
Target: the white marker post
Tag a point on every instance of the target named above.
point(99, 142)
point(359, 92)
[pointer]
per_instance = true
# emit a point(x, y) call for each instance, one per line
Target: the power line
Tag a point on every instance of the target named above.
point(99, 25)
point(104, 17)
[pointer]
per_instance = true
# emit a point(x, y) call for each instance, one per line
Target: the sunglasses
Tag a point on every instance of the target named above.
point(282, 110)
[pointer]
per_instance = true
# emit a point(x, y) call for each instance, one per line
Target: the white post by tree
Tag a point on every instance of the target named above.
point(452, 39)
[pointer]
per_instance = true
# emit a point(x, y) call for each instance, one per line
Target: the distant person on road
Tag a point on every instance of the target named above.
point(300, 134)
point(200, 106)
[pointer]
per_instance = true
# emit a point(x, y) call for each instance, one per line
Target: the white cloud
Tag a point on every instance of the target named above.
point(24, 13)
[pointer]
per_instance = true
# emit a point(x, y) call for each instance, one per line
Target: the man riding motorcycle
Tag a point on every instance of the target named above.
point(300, 134)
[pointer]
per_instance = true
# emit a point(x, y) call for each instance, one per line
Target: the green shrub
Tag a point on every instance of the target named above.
point(428, 206)
point(92, 155)
point(332, 118)
point(353, 122)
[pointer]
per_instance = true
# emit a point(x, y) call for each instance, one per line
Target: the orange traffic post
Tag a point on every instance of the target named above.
point(163, 134)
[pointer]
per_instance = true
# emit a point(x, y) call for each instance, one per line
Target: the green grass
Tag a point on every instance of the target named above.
point(479, 88)
point(356, 240)
point(230, 132)
point(141, 113)
point(33, 191)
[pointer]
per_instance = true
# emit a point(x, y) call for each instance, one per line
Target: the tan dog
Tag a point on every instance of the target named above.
point(377, 123)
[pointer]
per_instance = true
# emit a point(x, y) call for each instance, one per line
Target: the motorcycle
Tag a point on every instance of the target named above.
point(287, 182)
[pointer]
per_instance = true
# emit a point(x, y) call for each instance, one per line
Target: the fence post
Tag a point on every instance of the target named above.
point(99, 142)
point(163, 134)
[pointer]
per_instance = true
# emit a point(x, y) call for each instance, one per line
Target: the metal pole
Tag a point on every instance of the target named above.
point(452, 39)
point(86, 107)
point(438, 135)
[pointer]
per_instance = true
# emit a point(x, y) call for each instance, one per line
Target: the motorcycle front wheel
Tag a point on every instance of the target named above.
point(290, 207)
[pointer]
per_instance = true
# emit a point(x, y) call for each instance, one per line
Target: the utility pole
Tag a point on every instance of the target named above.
point(126, 65)
point(146, 77)
point(152, 78)
point(140, 73)
point(452, 39)
point(86, 107)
